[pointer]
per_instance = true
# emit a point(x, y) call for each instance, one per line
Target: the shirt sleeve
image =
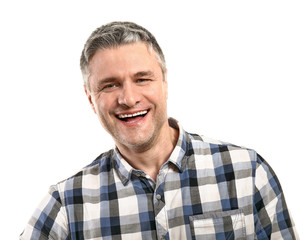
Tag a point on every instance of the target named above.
point(49, 220)
point(272, 218)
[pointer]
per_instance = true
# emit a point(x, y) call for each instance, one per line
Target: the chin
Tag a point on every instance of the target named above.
point(138, 144)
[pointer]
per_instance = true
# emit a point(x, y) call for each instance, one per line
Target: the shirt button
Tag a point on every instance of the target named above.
point(158, 197)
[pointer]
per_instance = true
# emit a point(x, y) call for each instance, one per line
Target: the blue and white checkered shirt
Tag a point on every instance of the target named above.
point(206, 190)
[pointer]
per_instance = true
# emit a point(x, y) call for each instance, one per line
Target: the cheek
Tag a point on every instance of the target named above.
point(99, 105)
point(106, 104)
point(159, 98)
point(159, 92)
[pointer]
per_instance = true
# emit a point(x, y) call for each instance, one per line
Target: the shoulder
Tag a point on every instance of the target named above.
point(221, 150)
point(230, 156)
point(88, 174)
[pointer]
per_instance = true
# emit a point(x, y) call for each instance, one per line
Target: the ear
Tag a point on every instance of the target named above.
point(89, 97)
point(166, 84)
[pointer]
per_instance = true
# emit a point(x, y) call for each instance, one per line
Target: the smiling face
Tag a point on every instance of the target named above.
point(129, 94)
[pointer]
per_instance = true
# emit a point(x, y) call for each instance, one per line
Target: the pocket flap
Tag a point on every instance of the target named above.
point(218, 225)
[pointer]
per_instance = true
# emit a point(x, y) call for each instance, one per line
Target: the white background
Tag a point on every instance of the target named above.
point(236, 72)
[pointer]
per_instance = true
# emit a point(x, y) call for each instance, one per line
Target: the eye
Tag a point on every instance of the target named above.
point(143, 80)
point(109, 87)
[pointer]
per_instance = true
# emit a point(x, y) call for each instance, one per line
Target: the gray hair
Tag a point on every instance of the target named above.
point(115, 34)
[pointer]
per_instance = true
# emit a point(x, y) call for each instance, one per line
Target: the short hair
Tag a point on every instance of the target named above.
point(116, 34)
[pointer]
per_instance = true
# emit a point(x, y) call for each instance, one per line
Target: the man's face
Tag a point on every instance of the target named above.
point(129, 94)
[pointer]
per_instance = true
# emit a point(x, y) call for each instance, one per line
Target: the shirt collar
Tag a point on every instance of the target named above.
point(178, 156)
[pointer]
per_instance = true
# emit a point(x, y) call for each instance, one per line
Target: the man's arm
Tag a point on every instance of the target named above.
point(49, 221)
point(272, 218)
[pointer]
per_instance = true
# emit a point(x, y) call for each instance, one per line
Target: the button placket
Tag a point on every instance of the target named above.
point(159, 207)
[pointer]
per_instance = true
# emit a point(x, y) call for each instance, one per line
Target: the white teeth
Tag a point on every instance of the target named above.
point(132, 115)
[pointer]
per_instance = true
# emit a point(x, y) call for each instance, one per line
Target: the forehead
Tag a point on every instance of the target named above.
point(131, 57)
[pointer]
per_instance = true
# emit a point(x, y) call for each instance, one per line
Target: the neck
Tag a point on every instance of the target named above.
point(151, 159)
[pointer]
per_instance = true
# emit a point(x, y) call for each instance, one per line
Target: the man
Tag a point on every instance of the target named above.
point(160, 182)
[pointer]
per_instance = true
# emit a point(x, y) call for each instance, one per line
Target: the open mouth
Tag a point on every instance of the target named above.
point(132, 117)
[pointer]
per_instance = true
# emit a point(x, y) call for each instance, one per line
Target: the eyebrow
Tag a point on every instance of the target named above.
point(136, 75)
point(107, 80)
point(144, 74)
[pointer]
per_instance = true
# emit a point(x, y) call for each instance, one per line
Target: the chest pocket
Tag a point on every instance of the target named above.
point(227, 225)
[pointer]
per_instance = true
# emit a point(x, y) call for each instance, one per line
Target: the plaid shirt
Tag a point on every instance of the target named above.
point(206, 190)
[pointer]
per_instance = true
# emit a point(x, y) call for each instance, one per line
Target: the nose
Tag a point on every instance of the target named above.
point(129, 96)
